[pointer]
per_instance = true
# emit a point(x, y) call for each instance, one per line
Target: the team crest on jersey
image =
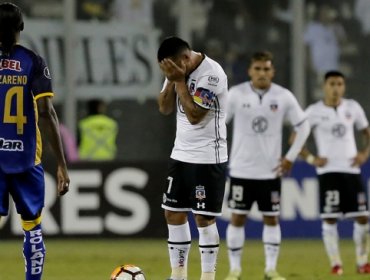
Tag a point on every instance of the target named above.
point(348, 115)
point(204, 97)
point(259, 124)
point(361, 198)
point(338, 130)
point(274, 107)
point(200, 192)
point(275, 197)
point(10, 64)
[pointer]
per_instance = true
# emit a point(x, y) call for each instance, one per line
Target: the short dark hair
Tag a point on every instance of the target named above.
point(11, 22)
point(262, 56)
point(171, 46)
point(333, 73)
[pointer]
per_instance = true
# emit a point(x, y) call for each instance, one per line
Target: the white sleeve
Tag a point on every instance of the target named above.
point(302, 131)
point(294, 113)
point(361, 121)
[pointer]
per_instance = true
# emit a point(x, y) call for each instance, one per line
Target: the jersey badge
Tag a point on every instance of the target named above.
point(274, 107)
point(259, 124)
point(204, 97)
point(338, 130)
point(200, 192)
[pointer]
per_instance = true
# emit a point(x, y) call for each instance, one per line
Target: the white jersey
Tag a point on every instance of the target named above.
point(204, 142)
point(333, 131)
point(258, 127)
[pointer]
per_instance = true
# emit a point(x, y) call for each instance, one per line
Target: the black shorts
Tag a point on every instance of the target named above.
point(342, 193)
point(244, 192)
point(193, 187)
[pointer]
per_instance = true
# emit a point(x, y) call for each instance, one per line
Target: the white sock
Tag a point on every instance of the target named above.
point(361, 237)
point(209, 242)
point(331, 242)
point(235, 237)
point(179, 241)
point(271, 237)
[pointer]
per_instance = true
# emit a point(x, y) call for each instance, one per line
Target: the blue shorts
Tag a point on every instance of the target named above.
point(27, 190)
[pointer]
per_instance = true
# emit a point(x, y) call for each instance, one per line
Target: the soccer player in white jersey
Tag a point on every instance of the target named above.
point(196, 86)
point(333, 121)
point(258, 108)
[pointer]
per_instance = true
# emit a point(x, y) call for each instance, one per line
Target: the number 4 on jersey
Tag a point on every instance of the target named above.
point(19, 118)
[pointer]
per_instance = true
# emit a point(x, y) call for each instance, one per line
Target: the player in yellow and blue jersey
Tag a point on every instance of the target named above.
point(26, 113)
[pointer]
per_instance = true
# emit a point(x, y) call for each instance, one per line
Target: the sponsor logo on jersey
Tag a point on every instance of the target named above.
point(11, 145)
point(200, 192)
point(10, 64)
point(259, 124)
point(204, 97)
point(213, 80)
point(338, 130)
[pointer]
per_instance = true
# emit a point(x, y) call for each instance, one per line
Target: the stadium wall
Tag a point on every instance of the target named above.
point(123, 200)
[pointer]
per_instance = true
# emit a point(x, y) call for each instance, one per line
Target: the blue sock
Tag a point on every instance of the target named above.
point(34, 253)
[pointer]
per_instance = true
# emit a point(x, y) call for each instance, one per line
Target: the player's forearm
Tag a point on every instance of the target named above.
point(193, 112)
point(49, 124)
point(366, 142)
point(302, 132)
point(167, 99)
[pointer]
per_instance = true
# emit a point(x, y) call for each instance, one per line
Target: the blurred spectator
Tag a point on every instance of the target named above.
point(97, 133)
point(362, 14)
point(93, 9)
point(323, 36)
point(133, 11)
point(69, 144)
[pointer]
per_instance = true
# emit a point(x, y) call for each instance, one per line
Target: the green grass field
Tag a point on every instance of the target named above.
point(95, 259)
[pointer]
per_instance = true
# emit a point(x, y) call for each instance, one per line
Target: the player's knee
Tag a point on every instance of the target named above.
point(363, 220)
point(238, 220)
point(204, 220)
point(270, 220)
point(175, 218)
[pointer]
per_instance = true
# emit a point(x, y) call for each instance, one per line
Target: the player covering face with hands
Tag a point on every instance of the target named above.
point(26, 114)
point(196, 86)
point(258, 109)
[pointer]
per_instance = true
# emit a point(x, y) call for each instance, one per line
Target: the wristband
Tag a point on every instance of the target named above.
point(310, 159)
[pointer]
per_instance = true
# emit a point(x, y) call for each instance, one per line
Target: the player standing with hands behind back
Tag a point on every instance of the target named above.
point(196, 86)
point(25, 103)
point(338, 163)
point(259, 108)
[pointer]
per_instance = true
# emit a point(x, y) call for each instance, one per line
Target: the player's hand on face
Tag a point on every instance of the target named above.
point(63, 181)
point(172, 71)
point(284, 167)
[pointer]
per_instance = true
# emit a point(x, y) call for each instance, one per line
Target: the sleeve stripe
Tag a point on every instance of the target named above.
point(44, 94)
